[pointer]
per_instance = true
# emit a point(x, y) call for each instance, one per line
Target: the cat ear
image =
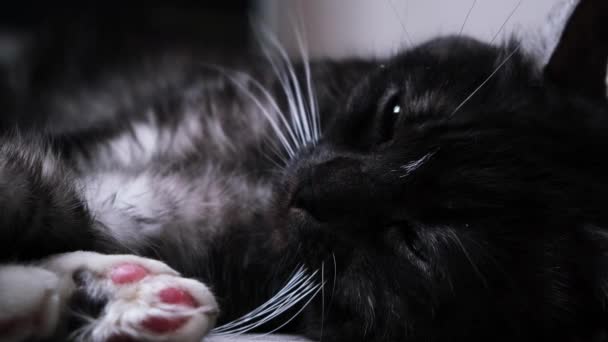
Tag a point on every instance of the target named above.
point(579, 61)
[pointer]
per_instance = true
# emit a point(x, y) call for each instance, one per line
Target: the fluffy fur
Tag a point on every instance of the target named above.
point(455, 191)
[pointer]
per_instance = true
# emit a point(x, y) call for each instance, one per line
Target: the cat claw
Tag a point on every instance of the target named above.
point(141, 299)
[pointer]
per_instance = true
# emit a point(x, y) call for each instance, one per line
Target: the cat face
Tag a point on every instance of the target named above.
point(457, 191)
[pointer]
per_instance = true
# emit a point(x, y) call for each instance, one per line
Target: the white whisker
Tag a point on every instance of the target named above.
point(297, 313)
point(274, 105)
point(298, 288)
point(272, 120)
point(294, 300)
point(313, 107)
point(287, 90)
point(333, 287)
point(276, 311)
point(302, 107)
point(296, 279)
point(272, 158)
point(415, 164)
point(456, 239)
point(485, 81)
point(466, 18)
point(322, 299)
point(401, 22)
point(293, 79)
point(506, 21)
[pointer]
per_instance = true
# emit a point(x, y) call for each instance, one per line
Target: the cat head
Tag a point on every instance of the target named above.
point(459, 191)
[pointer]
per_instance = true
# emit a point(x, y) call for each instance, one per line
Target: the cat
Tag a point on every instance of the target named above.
point(455, 191)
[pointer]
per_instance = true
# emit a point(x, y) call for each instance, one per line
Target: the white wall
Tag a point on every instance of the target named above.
point(374, 27)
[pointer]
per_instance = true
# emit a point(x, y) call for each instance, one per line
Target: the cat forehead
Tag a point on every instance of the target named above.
point(438, 75)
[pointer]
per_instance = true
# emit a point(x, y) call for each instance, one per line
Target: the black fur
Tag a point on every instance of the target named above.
point(450, 218)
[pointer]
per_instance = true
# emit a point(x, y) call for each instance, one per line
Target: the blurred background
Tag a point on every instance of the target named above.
point(46, 44)
point(340, 28)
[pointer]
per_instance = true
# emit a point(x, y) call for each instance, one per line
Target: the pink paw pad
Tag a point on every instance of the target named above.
point(127, 273)
point(162, 325)
point(173, 295)
point(120, 338)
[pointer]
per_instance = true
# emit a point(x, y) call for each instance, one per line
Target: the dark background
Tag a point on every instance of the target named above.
point(45, 44)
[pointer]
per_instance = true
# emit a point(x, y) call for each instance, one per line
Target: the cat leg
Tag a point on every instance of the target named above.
point(30, 302)
point(42, 210)
point(144, 299)
point(133, 298)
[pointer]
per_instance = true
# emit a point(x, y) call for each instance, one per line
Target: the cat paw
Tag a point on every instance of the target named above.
point(128, 298)
point(30, 302)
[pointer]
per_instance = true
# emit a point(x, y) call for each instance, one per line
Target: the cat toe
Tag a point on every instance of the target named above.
point(143, 300)
point(117, 266)
point(157, 308)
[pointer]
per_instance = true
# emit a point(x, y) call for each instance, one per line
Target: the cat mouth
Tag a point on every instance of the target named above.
point(312, 240)
point(290, 224)
point(300, 221)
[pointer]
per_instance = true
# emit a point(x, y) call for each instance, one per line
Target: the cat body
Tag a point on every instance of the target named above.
point(455, 191)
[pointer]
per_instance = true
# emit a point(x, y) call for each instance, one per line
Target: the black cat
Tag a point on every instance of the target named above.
point(457, 191)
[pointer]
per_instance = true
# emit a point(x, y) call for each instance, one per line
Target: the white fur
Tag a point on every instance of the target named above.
point(136, 207)
point(35, 296)
point(32, 296)
point(128, 205)
point(413, 165)
point(147, 140)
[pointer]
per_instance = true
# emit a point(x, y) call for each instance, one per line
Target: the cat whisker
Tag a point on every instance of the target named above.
point(319, 287)
point(486, 80)
point(298, 288)
point(275, 107)
point(506, 21)
point(295, 280)
point(466, 18)
point(401, 22)
point(322, 299)
point(313, 106)
point(502, 26)
point(457, 240)
point(333, 287)
point(271, 119)
point(286, 86)
point(281, 309)
point(293, 90)
point(304, 112)
point(275, 313)
point(415, 164)
point(272, 158)
point(274, 155)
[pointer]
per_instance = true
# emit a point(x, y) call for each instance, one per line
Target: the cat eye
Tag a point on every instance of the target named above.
point(389, 110)
point(390, 104)
point(416, 247)
point(410, 239)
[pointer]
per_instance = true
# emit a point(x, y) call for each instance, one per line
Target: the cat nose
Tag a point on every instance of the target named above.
point(303, 198)
point(330, 189)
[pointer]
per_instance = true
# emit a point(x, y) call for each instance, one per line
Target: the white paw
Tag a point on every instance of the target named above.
point(145, 300)
point(30, 302)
